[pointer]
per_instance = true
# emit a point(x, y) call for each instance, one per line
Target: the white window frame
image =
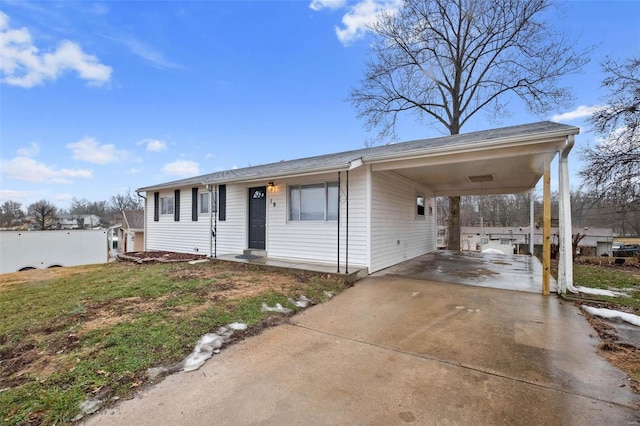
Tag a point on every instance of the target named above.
point(214, 201)
point(420, 215)
point(328, 216)
point(164, 205)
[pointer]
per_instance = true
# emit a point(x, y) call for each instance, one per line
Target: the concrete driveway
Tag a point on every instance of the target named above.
point(396, 350)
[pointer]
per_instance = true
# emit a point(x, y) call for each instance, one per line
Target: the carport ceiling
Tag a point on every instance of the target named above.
point(499, 169)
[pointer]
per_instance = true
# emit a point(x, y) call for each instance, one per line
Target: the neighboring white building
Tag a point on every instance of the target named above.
point(78, 221)
point(369, 208)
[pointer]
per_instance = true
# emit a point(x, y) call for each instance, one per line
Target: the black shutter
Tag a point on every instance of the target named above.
point(194, 204)
point(222, 202)
point(156, 206)
point(176, 206)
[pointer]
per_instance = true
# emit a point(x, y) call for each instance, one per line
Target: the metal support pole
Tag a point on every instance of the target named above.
point(546, 231)
point(531, 224)
point(346, 257)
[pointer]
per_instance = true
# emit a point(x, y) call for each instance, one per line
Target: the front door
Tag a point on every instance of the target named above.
point(257, 217)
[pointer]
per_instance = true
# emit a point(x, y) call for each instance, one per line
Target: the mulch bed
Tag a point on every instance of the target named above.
point(158, 256)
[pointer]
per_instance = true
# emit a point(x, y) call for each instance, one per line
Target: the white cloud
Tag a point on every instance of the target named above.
point(581, 112)
point(154, 145)
point(327, 4)
point(22, 64)
point(31, 151)
point(209, 156)
point(17, 196)
point(63, 197)
point(184, 168)
point(134, 170)
point(144, 51)
point(89, 149)
point(28, 169)
point(361, 15)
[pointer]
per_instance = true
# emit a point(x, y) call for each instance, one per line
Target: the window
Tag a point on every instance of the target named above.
point(317, 202)
point(166, 205)
point(504, 242)
point(204, 202)
point(420, 205)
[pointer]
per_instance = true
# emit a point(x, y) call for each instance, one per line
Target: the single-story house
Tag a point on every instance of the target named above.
point(369, 208)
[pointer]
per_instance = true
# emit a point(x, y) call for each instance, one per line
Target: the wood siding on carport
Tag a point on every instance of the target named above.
point(397, 233)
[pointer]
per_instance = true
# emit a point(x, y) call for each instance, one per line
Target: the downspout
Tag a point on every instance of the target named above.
point(339, 190)
point(145, 219)
point(565, 264)
point(211, 231)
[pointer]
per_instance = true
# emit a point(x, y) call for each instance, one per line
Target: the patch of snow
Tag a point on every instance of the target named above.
point(300, 302)
point(237, 326)
point(328, 294)
point(613, 314)
point(492, 251)
point(195, 262)
point(203, 351)
point(88, 407)
point(277, 308)
point(598, 291)
point(459, 307)
point(416, 294)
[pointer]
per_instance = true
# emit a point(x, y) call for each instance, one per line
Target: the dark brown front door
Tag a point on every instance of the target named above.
point(257, 217)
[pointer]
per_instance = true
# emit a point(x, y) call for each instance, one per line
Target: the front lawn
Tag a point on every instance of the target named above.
point(68, 335)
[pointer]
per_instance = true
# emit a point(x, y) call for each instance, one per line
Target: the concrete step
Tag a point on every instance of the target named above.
point(255, 252)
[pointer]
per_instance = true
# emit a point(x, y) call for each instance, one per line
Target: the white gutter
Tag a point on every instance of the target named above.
point(565, 261)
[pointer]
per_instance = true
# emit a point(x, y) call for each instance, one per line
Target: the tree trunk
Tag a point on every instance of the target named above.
point(454, 223)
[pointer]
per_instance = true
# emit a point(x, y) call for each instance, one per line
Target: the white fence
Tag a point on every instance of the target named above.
point(21, 250)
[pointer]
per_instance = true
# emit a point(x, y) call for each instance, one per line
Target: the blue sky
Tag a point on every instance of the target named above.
point(99, 97)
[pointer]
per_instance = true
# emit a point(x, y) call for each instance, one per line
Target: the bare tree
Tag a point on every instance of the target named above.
point(10, 212)
point(446, 60)
point(612, 167)
point(126, 201)
point(44, 214)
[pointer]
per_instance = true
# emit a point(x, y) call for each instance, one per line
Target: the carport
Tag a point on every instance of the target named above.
point(499, 162)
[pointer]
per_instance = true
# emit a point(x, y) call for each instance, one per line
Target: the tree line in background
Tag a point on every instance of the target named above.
point(44, 215)
point(588, 210)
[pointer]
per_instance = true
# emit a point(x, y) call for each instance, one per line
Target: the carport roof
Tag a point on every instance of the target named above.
point(507, 160)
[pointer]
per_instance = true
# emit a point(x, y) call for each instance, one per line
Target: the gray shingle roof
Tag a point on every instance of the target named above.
point(341, 160)
point(134, 218)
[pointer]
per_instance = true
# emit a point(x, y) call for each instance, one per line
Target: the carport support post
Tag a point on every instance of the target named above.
point(546, 230)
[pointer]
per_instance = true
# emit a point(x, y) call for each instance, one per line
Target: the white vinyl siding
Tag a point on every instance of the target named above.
point(317, 241)
point(187, 236)
point(398, 233)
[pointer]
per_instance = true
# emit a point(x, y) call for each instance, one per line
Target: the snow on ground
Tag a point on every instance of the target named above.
point(277, 308)
point(598, 291)
point(613, 314)
point(492, 251)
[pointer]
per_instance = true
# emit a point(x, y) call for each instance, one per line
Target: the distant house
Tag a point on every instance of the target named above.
point(596, 241)
point(77, 221)
point(369, 208)
point(128, 235)
point(132, 230)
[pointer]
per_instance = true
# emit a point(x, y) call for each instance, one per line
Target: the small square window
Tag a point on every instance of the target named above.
point(203, 202)
point(166, 205)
